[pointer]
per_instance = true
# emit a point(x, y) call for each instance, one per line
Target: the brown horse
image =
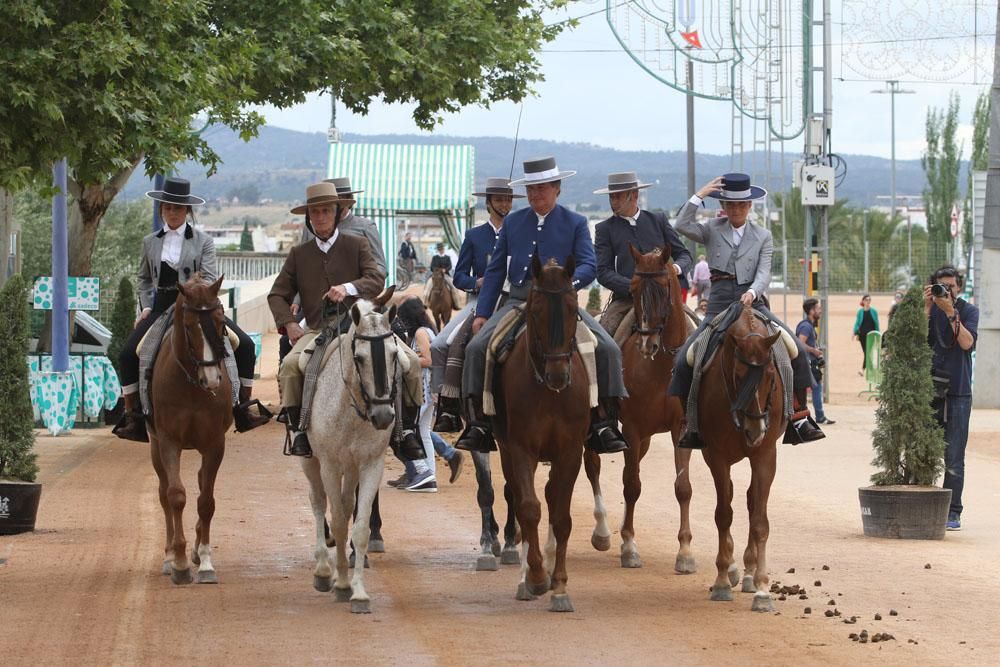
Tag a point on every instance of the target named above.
point(648, 362)
point(741, 415)
point(192, 409)
point(440, 300)
point(543, 412)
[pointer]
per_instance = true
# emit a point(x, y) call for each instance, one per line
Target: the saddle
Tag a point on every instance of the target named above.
point(314, 358)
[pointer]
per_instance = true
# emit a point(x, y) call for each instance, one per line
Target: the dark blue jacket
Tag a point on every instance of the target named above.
point(615, 264)
point(472, 257)
point(564, 233)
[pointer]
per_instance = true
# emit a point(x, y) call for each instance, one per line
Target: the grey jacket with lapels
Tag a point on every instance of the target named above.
point(197, 254)
point(752, 257)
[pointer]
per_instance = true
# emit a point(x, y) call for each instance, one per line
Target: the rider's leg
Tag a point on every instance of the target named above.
point(478, 434)
point(132, 425)
point(801, 427)
point(290, 377)
point(246, 359)
point(449, 408)
point(604, 436)
point(680, 386)
point(614, 313)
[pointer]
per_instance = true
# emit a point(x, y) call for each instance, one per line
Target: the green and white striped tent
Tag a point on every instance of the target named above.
point(398, 179)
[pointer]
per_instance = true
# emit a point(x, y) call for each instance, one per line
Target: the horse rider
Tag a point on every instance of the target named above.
point(441, 260)
point(170, 256)
point(332, 267)
point(473, 256)
point(739, 258)
point(630, 225)
point(350, 223)
point(407, 253)
point(551, 231)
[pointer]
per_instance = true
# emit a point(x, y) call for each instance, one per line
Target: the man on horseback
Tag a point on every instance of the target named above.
point(333, 267)
point(739, 257)
point(350, 223)
point(544, 230)
point(448, 348)
point(630, 225)
point(441, 260)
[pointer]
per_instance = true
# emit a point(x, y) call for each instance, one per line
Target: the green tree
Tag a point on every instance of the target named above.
point(17, 435)
point(122, 319)
point(978, 161)
point(247, 194)
point(909, 445)
point(941, 163)
point(246, 238)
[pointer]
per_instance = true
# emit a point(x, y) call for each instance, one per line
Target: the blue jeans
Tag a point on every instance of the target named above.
point(445, 450)
point(817, 392)
point(956, 435)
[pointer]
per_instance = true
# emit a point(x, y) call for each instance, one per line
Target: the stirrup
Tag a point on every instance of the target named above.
point(447, 422)
point(604, 438)
point(477, 437)
point(132, 427)
point(247, 422)
point(295, 448)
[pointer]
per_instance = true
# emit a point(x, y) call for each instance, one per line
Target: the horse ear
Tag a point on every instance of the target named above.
point(666, 253)
point(570, 267)
point(772, 339)
point(217, 285)
point(536, 266)
point(636, 255)
point(384, 296)
point(182, 290)
point(356, 314)
point(392, 314)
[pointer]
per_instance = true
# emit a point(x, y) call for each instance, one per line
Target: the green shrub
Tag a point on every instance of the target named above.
point(17, 435)
point(594, 300)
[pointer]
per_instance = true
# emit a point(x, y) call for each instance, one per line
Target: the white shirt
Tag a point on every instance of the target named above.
point(325, 246)
point(632, 219)
point(172, 242)
point(541, 220)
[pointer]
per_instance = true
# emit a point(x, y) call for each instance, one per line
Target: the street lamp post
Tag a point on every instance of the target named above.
point(892, 89)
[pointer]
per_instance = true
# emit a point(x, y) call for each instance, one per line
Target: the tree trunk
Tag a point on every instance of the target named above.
point(6, 230)
point(89, 204)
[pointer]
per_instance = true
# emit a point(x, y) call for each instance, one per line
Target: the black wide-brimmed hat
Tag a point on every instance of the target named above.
point(176, 191)
point(541, 170)
point(343, 184)
point(736, 187)
point(497, 185)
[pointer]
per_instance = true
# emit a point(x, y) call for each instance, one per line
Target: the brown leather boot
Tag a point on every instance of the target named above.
point(133, 423)
point(243, 418)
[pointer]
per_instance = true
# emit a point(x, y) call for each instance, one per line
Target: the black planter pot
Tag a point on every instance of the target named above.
point(904, 512)
point(18, 506)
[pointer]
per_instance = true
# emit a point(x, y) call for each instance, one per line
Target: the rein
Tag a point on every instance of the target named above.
point(748, 388)
point(652, 301)
point(379, 372)
point(556, 334)
point(210, 333)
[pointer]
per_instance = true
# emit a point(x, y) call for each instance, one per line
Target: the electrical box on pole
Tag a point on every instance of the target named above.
point(817, 185)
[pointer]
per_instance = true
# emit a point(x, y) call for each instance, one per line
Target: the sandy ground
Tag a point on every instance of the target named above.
point(85, 587)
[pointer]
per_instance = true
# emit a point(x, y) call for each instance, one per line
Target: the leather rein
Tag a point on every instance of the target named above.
point(658, 329)
point(739, 396)
point(213, 337)
point(549, 356)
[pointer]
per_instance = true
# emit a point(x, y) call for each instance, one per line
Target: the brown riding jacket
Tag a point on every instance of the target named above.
point(310, 273)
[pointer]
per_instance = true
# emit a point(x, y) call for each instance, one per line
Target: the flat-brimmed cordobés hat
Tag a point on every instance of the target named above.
point(622, 182)
point(343, 184)
point(736, 187)
point(497, 185)
point(176, 191)
point(541, 170)
point(321, 193)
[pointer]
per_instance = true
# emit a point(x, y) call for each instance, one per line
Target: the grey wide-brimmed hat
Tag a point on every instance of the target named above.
point(736, 187)
point(321, 193)
point(497, 185)
point(622, 182)
point(176, 191)
point(541, 170)
point(343, 184)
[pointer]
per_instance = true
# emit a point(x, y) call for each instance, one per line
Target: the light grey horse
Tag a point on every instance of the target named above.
point(349, 432)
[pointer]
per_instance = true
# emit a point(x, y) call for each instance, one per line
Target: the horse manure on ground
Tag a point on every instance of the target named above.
point(826, 567)
point(927, 566)
point(878, 617)
point(803, 597)
point(791, 570)
point(832, 602)
point(817, 583)
point(807, 610)
point(893, 612)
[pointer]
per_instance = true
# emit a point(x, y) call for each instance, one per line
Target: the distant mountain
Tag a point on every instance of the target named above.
point(280, 163)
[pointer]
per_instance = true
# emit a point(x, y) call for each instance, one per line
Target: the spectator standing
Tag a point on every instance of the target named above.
point(806, 331)
point(865, 322)
point(701, 277)
point(896, 298)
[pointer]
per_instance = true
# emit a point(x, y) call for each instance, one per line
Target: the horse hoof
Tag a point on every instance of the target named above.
point(523, 594)
point(734, 575)
point(601, 542)
point(195, 558)
point(685, 565)
point(561, 603)
point(166, 569)
point(762, 602)
point(540, 589)
point(748, 586)
point(495, 548)
point(510, 557)
point(323, 584)
point(631, 559)
point(722, 594)
point(376, 546)
point(487, 564)
point(361, 607)
point(181, 577)
point(207, 577)
point(342, 594)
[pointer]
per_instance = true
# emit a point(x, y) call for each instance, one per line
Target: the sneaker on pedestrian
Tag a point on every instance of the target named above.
point(424, 482)
point(455, 463)
point(825, 420)
point(954, 522)
point(399, 481)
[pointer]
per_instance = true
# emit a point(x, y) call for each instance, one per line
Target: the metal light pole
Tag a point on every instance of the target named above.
point(892, 89)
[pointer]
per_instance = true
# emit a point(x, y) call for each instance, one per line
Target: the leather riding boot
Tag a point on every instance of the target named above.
point(689, 438)
point(296, 441)
point(133, 423)
point(604, 436)
point(801, 427)
point(410, 447)
point(478, 435)
point(448, 419)
point(242, 417)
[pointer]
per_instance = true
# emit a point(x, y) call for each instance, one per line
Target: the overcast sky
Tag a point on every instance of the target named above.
point(594, 93)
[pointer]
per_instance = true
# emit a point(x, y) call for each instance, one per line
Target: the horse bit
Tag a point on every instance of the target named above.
point(750, 384)
point(214, 339)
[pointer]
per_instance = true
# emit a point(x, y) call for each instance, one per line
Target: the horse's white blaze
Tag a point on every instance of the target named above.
point(205, 556)
point(210, 374)
point(602, 529)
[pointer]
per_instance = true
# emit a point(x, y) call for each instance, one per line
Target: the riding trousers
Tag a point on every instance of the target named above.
point(440, 344)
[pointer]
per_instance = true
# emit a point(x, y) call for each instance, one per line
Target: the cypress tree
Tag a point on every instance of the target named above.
point(17, 435)
point(594, 300)
point(246, 238)
point(122, 319)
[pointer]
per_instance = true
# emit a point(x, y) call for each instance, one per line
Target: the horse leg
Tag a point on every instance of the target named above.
point(750, 553)
point(601, 537)
point(558, 494)
point(180, 568)
point(489, 545)
point(632, 486)
point(762, 467)
point(520, 474)
point(376, 544)
point(202, 556)
point(511, 531)
point(722, 589)
point(684, 563)
point(322, 572)
point(368, 480)
point(340, 511)
point(163, 483)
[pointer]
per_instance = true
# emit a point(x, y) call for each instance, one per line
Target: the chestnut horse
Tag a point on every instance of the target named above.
point(543, 413)
point(741, 415)
point(440, 299)
point(661, 327)
point(192, 409)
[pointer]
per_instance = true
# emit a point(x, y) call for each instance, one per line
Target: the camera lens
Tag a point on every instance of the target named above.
point(939, 290)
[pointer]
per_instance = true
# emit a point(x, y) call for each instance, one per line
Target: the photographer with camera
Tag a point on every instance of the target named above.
point(952, 329)
point(806, 331)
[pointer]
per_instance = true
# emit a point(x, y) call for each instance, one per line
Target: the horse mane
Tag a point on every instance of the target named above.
point(557, 324)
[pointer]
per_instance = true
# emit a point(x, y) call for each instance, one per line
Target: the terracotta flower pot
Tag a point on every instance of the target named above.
point(904, 512)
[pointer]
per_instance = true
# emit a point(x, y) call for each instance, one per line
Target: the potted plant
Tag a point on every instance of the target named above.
point(18, 493)
point(594, 301)
point(909, 444)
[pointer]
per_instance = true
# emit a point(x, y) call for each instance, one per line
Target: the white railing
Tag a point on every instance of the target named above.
point(249, 266)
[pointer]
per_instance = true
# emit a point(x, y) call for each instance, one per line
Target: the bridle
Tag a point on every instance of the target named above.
point(555, 305)
point(213, 337)
point(384, 381)
point(739, 397)
point(645, 276)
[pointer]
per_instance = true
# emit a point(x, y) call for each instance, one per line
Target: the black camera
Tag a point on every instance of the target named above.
point(820, 363)
point(940, 289)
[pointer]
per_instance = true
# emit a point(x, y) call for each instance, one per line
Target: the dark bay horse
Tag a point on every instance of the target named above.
point(489, 538)
point(648, 360)
point(192, 409)
point(440, 299)
point(741, 415)
point(543, 413)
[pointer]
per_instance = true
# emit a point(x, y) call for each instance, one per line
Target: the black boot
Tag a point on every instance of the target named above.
point(133, 423)
point(604, 436)
point(478, 435)
point(690, 438)
point(243, 419)
point(448, 419)
point(802, 427)
point(410, 447)
point(296, 441)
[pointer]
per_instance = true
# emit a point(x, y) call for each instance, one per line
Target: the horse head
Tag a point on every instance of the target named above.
point(551, 315)
point(437, 278)
point(749, 375)
point(654, 288)
point(374, 351)
point(202, 325)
